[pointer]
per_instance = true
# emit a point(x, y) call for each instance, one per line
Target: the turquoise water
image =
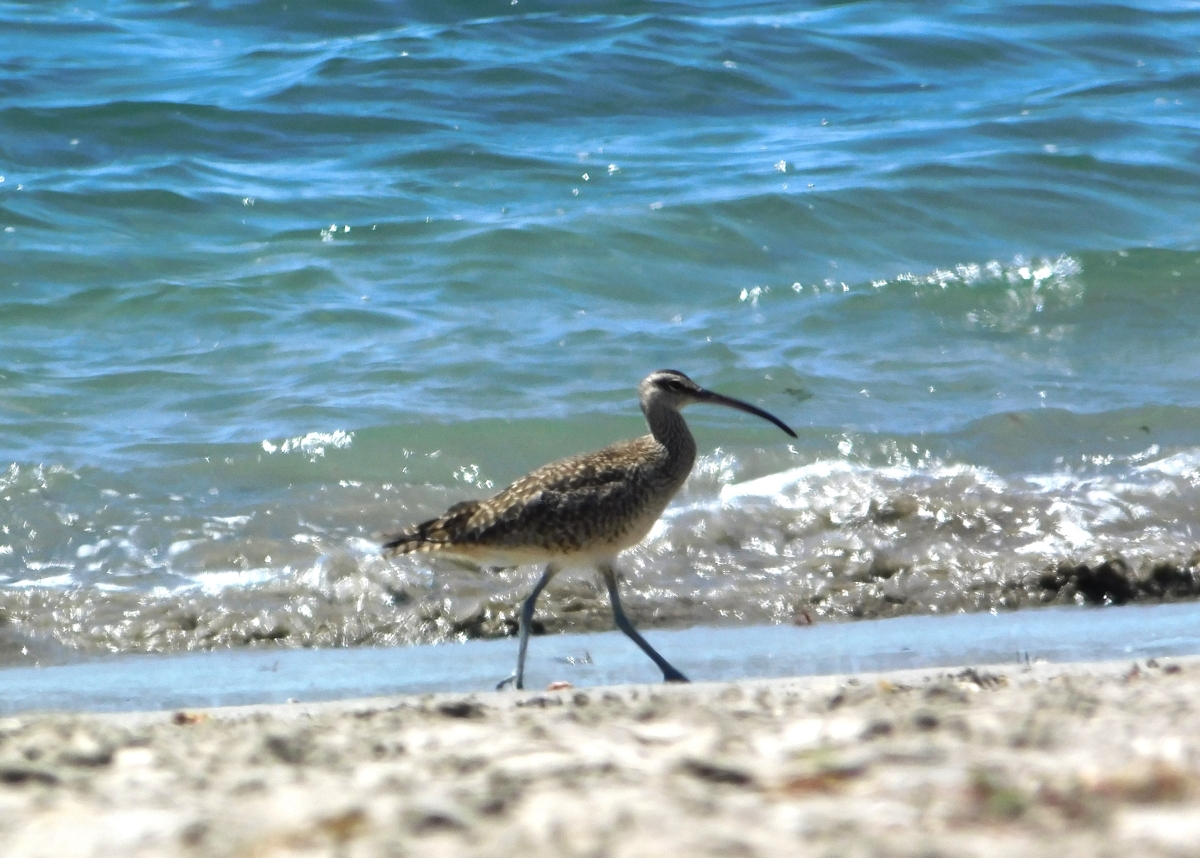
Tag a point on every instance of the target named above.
point(275, 278)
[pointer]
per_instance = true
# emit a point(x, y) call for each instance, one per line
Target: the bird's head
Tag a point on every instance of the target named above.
point(670, 388)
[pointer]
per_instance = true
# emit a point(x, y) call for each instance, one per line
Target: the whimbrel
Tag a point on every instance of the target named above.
point(582, 510)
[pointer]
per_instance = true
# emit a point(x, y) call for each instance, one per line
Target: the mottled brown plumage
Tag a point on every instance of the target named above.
point(573, 510)
point(582, 510)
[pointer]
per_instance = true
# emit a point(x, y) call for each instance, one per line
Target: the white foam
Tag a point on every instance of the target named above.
point(111, 588)
point(232, 520)
point(1185, 464)
point(791, 489)
point(54, 581)
point(776, 487)
point(180, 546)
point(313, 444)
point(213, 583)
point(92, 549)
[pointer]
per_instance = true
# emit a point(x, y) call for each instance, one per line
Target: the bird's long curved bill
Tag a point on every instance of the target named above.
point(729, 401)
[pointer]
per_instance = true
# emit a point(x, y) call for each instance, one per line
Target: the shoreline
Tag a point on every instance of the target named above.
point(1043, 759)
point(275, 675)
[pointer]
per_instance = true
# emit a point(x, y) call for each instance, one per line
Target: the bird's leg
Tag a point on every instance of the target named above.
point(670, 674)
point(526, 619)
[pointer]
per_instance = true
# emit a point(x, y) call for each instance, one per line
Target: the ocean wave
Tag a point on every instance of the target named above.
point(313, 444)
point(826, 540)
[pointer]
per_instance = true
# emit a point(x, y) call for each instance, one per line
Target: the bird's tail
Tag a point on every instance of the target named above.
point(433, 535)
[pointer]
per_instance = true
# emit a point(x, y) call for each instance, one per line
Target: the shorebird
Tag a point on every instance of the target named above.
point(582, 510)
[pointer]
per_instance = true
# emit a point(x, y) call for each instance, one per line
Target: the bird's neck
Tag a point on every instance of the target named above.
point(669, 429)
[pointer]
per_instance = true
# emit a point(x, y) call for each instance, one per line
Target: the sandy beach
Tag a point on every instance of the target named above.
point(1077, 759)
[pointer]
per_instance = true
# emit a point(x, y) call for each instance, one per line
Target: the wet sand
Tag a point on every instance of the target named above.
point(1076, 759)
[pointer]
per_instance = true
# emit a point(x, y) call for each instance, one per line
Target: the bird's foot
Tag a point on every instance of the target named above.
point(674, 676)
point(510, 680)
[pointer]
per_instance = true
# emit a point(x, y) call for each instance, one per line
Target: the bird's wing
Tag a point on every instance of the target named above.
point(577, 497)
point(568, 487)
point(444, 530)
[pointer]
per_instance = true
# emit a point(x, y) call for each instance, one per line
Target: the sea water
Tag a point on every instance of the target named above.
point(277, 277)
